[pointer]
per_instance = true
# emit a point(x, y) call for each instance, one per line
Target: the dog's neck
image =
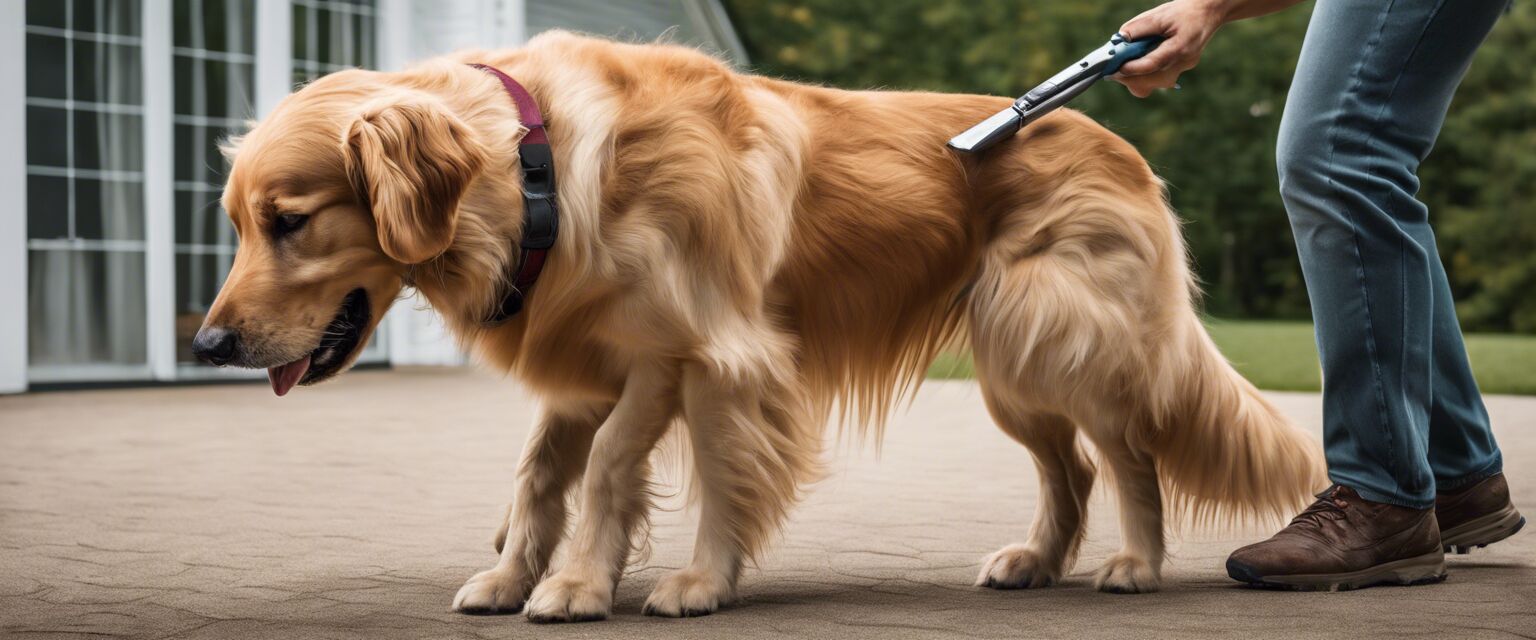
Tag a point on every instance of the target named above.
point(467, 281)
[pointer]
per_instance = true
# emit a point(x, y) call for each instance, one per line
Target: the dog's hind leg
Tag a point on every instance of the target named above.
point(555, 455)
point(1066, 478)
point(1137, 567)
point(613, 499)
point(1069, 307)
point(753, 446)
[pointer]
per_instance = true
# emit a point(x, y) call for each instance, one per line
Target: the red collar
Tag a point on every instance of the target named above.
point(541, 216)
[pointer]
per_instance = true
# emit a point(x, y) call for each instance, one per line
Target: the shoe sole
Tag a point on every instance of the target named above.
point(1482, 531)
point(1424, 569)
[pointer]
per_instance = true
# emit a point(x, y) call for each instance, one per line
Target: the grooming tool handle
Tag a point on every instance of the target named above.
point(1128, 51)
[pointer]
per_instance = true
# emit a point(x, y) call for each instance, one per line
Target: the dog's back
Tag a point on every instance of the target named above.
point(869, 246)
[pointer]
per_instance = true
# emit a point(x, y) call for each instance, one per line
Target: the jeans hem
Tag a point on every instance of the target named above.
point(1387, 498)
point(1494, 468)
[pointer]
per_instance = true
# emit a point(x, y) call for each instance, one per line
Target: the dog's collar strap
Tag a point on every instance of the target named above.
point(541, 215)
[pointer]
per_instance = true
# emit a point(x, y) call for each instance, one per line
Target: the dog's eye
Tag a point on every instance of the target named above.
point(287, 223)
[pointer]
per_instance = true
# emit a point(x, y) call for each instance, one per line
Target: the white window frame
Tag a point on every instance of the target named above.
point(167, 294)
point(13, 197)
point(86, 372)
point(159, 194)
point(274, 54)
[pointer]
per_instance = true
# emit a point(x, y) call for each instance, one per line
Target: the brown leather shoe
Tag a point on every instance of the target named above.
point(1476, 515)
point(1343, 541)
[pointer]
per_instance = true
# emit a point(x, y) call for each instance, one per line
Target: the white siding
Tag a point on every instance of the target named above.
point(13, 198)
point(694, 22)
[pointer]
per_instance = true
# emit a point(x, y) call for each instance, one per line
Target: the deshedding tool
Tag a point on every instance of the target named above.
point(1051, 94)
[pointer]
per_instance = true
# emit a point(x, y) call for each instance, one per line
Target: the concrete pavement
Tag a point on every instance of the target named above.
point(356, 509)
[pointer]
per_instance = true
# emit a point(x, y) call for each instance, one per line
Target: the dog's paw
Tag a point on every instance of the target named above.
point(571, 596)
point(1017, 566)
point(1124, 573)
point(491, 592)
point(689, 593)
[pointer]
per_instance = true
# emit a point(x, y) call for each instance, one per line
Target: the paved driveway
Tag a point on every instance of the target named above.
point(356, 509)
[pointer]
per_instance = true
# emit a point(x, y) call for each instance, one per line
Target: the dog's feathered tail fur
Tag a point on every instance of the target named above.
point(1225, 454)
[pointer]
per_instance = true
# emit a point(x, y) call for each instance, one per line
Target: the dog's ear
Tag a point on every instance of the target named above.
point(411, 160)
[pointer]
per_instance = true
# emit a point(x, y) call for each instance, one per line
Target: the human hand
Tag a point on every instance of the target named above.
point(1188, 26)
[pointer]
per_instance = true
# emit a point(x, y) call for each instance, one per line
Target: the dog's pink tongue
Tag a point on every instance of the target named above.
point(285, 376)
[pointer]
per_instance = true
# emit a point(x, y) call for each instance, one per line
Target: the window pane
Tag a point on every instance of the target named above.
point(320, 38)
point(117, 17)
point(86, 307)
point(108, 73)
point(239, 20)
point(360, 54)
point(46, 13)
point(213, 87)
point(109, 141)
point(47, 207)
point(46, 67)
point(197, 159)
point(328, 36)
point(46, 146)
point(300, 32)
point(227, 26)
point(182, 19)
point(109, 209)
point(200, 220)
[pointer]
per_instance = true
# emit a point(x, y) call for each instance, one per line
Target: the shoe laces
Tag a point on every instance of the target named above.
point(1328, 507)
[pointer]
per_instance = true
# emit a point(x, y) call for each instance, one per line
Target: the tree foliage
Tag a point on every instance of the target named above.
point(1214, 140)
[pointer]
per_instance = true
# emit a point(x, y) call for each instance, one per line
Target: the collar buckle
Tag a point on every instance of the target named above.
point(538, 164)
point(541, 222)
point(541, 215)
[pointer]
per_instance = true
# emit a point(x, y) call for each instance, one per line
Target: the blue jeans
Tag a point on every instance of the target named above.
point(1401, 412)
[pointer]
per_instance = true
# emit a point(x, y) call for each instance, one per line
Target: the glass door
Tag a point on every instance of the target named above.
point(86, 297)
point(213, 67)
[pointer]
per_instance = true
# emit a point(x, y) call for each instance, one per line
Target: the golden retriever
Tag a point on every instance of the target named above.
point(754, 259)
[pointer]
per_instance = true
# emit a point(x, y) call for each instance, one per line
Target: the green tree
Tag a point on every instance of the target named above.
point(1480, 182)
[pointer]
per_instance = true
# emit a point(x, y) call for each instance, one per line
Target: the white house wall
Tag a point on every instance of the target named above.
point(13, 198)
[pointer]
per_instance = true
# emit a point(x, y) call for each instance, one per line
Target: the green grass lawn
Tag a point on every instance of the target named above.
point(1283, 356)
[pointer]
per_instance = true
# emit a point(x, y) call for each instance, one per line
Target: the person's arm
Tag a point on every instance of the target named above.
point(1188, 26)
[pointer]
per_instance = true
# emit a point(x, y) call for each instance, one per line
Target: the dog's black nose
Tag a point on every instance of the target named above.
point(214, 345)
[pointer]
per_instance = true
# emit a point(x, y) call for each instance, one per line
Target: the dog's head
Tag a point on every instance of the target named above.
point(334, 196)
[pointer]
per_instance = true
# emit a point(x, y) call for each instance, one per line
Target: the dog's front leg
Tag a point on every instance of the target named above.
point(613, 500)
point(753, 445)
point(554, 457)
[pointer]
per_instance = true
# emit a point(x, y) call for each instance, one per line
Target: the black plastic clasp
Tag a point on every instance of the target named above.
point(541, 214)
point(541, 222)
point(538, 164)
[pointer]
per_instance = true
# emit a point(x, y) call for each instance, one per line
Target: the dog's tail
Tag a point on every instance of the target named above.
point(1225, 454)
